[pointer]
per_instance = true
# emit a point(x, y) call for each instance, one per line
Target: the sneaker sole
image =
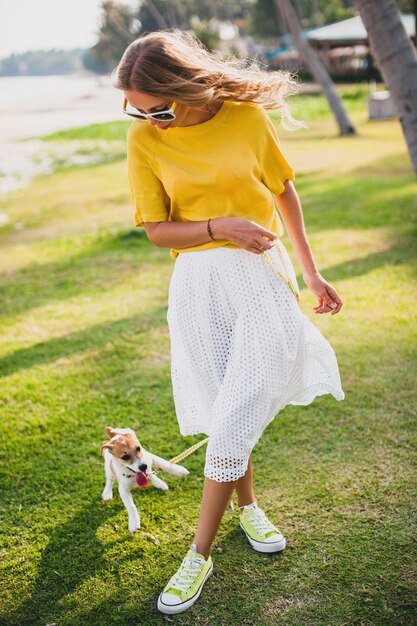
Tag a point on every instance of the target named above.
point(173, 609)
point(276, 546)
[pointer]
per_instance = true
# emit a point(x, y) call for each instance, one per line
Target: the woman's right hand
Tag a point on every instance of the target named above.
point(243, 233)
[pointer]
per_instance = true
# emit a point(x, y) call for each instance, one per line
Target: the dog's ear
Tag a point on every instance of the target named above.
point(122, 431)
point(106, 444)
point(110, 431)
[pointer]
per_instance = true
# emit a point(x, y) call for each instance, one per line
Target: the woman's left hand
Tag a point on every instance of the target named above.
point(327, 297)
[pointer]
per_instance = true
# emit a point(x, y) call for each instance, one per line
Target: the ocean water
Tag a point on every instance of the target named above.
point(32, 106)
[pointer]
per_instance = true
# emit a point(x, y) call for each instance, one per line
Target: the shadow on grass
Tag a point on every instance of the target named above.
point(95, 337)
point(102, 263)
point(401, 252)
point(111, 258)
point(362, 199)
point(221, 596)
point(304, 584)
point(73, 555)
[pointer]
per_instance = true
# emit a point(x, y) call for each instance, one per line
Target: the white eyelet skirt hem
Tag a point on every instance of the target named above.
point(241, 350)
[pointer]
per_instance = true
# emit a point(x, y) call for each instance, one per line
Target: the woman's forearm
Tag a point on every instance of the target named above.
point(186, 234)
point(290, 208)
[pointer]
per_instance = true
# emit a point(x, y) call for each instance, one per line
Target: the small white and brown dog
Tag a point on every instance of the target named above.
point(126, 461)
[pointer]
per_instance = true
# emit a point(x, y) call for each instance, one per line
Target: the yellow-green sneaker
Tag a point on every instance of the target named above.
point(185, 586)
point(262, 535)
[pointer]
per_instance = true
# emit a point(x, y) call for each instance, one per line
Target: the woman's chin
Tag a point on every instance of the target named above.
point(165, 126)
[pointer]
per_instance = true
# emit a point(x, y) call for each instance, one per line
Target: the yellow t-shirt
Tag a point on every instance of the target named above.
point(226, 166)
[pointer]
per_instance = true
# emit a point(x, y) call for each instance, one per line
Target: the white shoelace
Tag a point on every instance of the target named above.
point(187, 574)
point(259, 521)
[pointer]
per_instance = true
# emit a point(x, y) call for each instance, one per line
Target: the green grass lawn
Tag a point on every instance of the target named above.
point(85, 344)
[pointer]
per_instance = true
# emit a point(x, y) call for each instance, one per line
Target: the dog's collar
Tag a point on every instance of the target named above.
point(131, 475)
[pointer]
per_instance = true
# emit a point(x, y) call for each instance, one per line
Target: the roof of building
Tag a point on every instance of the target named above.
point(347, 32)
point(353, 30)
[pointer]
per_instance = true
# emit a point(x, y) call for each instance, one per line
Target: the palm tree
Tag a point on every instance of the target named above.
point(316, 67)
point(158, 17)
point(397, 61)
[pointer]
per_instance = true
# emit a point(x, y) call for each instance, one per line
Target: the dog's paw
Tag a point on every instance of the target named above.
point(107, 495)
point(179, 470)
point(134, 526)
point(159, 484)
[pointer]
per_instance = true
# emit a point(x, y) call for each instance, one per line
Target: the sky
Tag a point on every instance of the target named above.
point(43, 24)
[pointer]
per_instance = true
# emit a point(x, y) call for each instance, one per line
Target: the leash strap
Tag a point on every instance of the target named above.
point(184, 454)
point(189, 451)
point(286, 278)
point(272, 264)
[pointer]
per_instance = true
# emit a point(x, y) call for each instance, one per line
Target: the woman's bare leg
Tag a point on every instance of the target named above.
point(244, 487)
point(215, 499)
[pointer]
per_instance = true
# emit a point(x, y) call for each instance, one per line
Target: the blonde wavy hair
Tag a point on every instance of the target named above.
point(174, 64)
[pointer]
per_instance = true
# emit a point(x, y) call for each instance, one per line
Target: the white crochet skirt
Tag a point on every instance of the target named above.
point(241, 350)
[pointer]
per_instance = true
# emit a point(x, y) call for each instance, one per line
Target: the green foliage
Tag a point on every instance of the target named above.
point(335, 10)
point(405, 6)
point(182, 11)
point(265, 23)
point(312, 14)
point(121, 24)
point(109, 131)
point(118, 27)
point(207, 33)
point(264, 20)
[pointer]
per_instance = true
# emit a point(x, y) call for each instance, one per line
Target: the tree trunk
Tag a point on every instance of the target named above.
point(298, 10)
point(316, 67)
point(115, 24)
point(415, 23)
point(172, 17)
point(280, 18)
point(159, 19)
point(397, 61)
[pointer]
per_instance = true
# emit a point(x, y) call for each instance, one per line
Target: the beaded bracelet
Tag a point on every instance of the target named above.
point(209, 230)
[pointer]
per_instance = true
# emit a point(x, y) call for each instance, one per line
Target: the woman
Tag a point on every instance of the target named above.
point(205, 172)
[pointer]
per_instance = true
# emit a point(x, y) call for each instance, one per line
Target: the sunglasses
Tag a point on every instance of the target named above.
point(161, 116)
